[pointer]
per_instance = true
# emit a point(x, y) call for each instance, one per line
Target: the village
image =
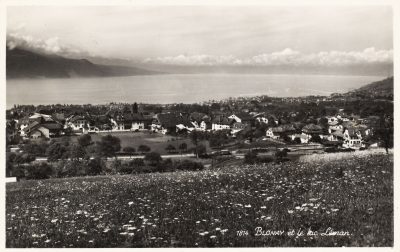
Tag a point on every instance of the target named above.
point(339, 130)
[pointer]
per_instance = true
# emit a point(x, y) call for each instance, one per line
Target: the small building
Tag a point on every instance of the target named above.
point(220, 122)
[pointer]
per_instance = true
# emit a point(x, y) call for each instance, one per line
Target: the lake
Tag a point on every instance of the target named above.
point(171, 88)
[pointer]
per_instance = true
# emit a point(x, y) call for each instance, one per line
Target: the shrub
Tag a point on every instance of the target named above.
point(250, 157)
point(144, 148)
point(153, 158)
point(95, 166)
point(189, 165)
point(135, 165)
point(71, 168)
point(40, 171)
point(265, 159)
point(166, 166)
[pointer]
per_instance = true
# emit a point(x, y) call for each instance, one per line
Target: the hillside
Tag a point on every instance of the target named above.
point(352, 195)
point(383, 88)
point(22, 63)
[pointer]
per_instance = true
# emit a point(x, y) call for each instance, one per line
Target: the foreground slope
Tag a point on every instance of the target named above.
point(353, 195)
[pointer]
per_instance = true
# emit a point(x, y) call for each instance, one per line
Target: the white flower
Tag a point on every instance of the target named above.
point(263, 207)
point(247, 205)
point(130, 203)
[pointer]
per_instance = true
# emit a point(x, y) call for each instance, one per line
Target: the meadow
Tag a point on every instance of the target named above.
point(352, 197)
point(156, 141)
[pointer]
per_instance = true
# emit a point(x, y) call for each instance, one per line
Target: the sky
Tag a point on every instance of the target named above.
point(209, 35)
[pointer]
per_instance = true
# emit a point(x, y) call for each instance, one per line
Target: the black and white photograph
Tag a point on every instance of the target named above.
point(198, 125)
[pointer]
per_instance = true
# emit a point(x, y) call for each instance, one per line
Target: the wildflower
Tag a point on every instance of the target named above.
point(263, 207)
point(213, 236)
point(130, 203)
point(47, 241)
point(290, 211)
point(247, 206)
point(54, 221)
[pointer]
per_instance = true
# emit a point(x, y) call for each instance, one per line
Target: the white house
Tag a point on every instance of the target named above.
point(352, 138)
point(304, 138)
point(235, 117)
point(78, 123)
point(333, 128)
point(220, 123)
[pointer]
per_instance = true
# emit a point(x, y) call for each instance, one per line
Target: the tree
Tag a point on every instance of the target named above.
point(41, 171)
point(170, 148)
point(129, 150)
point(135, 108)
point(183, 147)
point(85, 140)
point(195, 137)
point(315, 139)
point(56, 151)
point(153, 158)
point(200, 150)
point(108, 146)
point(250, 157)
point(385, 132)
point(144, 148)
point(77, 151)
point(95, 166)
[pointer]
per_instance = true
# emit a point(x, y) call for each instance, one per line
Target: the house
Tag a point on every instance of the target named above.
point(237, 127)
point(128, 121)
point(167, 122)
point(352, 138)
point(304, 138)
point(78, 123)
point(242, 118)
point(43, 130)
point(335, 136)
point(312, 129)
point(200, 121)
point(261, 118)
point(333, 128)
point(332, 120)
point(278, 132)
point(220, 122)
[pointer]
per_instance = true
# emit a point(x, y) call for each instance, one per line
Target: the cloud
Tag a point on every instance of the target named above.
point(286, 57)
point(47, 46)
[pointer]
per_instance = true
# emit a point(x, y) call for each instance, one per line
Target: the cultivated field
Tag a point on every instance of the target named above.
point(211, 208)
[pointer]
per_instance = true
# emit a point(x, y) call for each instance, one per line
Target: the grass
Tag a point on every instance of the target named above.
point(156, 141)
point(208, 208)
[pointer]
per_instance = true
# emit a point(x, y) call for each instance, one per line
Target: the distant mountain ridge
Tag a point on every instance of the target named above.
point(383, 88)
point(21, 63)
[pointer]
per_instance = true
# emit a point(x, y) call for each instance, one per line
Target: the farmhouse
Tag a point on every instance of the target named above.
point(278, 132)
point(78, 123)
point(220, 122)
point(43, 130)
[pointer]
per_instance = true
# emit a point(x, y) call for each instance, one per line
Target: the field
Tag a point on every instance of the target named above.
point(156, 141)
point(346, 202)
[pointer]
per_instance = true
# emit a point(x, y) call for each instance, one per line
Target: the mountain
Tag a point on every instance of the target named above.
point(21, 63)
point(382, 88)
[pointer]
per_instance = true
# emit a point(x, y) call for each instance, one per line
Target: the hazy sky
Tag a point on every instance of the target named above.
point(188, 34)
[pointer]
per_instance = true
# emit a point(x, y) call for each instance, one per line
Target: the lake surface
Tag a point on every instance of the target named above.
point(186, 88)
